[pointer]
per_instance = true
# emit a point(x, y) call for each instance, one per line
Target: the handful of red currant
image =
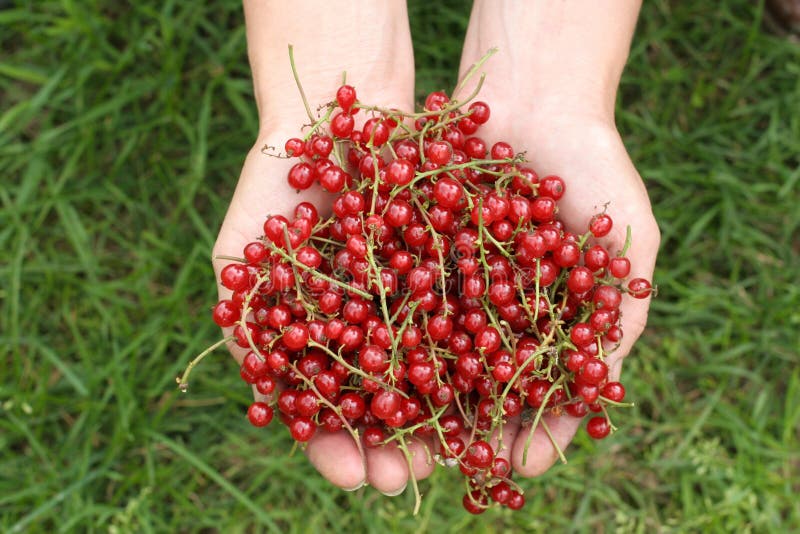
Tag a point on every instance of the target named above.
point(442, 297)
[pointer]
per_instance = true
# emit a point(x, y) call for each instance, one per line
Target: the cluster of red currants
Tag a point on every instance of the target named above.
point(442, 297)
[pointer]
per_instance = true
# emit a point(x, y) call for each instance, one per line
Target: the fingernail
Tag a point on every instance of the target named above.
point(395, 493)
point(356, 487)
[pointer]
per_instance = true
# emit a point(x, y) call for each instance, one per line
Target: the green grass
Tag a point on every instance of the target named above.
point(122, 130)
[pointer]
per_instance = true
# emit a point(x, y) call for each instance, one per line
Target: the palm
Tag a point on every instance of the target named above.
point(262, 190)
point(599, 175)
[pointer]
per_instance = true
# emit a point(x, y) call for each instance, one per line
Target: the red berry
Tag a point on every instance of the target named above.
point(613, 391)
point(598, 427)
point(301, 176)
point(600, 225)
point(294, 147)
point(436, 101)
point(619, 267)
point(479, 112)
point(502, 150)
point(295, 337)
point(226, 313)
point(259, 414)
point(551, 186)
point(580, 280)
point(302, 428)
point(475, 502)
point(342, 125)
point(346, 97)
point(516, 501)
point(640, 288)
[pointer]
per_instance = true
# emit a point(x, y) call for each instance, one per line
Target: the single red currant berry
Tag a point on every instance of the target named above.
point(265, 385)
point(333, 179)
point(594, 371)
point(385, 403)
point(295, 337)
point(582, 334)
point(567, 254)
point(255, 252)
point(226, 313)
point(580, 280)
point(607, 297)
point(502, 150)
point(439, 152)
point(342, 125)
point(596, 258)
point(302, 428)
point(479, 112)
point(640, 288)
point(543, 209)
point(600, 225)
point(500, 468)
point(575, 360)
point(500, 492)
point(619, 267)
point(346, 97)
point(551, 186)
point(352, 405)
point(475, 502)
point(294, 147)
point(373, 437)
point(259, 414)
point(516, 501)
point(235, 277)
point(479, 454)
point(598, 427)
point(301, 176)
point(577, 409)
point(322, 146)
point(614, 334)
point(443, 395)
point(448, 193)
point(613, 391)
point(400, 172)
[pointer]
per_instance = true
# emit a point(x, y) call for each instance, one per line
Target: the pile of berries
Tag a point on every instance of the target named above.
point(442, 297)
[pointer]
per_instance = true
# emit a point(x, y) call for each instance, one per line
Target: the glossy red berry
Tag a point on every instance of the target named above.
point(259, 414)
point(600, 225)
point(346, 97)
point(598, 427)
point(640, 288)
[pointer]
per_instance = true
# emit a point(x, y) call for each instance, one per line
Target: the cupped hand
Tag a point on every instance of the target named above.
point(586, 151)
point(262, 190)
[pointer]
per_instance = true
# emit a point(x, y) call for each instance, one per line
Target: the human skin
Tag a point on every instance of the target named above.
point(552, 90)
point(568, 129)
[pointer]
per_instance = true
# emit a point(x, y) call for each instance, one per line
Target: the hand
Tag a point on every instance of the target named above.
point(371, 41)
point(587, 152)
point(552, 89)
point(262, 190)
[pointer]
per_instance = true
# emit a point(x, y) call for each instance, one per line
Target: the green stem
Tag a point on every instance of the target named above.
point(346, 287)
point(183, 380)
point(299, 85)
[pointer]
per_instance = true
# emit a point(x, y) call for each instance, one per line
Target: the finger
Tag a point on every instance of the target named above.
point(336, 457)
point(503, 439)
point(541, 453)
point(421, 451)
point(387, 469)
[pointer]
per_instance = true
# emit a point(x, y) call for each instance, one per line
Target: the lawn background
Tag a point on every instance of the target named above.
point(122, 130)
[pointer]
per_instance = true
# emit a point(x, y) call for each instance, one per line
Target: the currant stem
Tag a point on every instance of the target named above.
point(471, 72)
point(297, 82)
point(410, 461)
point(315, 272)
point(183, 380)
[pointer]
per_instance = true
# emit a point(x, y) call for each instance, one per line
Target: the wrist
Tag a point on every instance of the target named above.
point(553, 57)
point(369, 41)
